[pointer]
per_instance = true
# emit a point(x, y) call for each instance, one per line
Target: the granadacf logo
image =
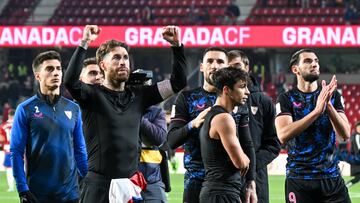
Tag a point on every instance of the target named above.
point(40, 36)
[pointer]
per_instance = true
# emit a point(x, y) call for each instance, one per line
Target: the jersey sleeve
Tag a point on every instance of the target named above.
point(283, 106)
point(246, 142)
point(178, 129)
point(78, 90)
point(80, 147)
point(164, 89)
point(338, 102)
point(178, 75)
point(19, 136)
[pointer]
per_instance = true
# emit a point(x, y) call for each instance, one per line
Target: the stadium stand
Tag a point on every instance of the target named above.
point(351, 94)
point(128, 12)
point(16, 12)
point(278, 12)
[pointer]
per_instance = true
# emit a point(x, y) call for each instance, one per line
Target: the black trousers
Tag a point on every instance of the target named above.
point(331, 190)
point(94, 189)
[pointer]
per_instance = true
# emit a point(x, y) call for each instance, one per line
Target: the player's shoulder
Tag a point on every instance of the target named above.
point(28, 102)
point(290, 93)
point(70, 103)
point(190, 92)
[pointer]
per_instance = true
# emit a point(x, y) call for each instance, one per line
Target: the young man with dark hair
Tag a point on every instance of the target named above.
point(309, 117)
point(47, 128)
point(117, 110)
point(261, 124)
point(91, 72)
point(224, 160)
point(187, 117)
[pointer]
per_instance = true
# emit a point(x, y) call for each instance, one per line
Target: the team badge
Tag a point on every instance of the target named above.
point(254, 109)
point(68, 114)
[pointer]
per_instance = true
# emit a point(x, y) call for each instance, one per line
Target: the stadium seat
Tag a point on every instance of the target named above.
point(278, 9)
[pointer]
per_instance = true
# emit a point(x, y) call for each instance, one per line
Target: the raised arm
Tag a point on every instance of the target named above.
point(73, 71)
point(178, 75)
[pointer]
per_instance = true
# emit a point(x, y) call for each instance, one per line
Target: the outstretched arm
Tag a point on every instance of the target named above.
point(178, 76)
point(178, 129)
point(181, 124)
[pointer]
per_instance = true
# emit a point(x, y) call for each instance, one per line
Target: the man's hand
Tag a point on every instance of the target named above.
point(90, 33)
point(332, 88)
point(323, 98)
point(332, 85)
point(250, 195)
point(27, 197)
point(199, 120)
point(171, 34)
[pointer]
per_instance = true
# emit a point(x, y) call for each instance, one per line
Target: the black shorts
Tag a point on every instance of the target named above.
point(192, 193)
point(317, 190)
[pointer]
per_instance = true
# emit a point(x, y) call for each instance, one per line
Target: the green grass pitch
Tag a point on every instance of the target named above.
point(276, 187)
point(175, 196)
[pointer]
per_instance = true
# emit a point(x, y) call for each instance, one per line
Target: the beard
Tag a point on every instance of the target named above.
point(210, 79)
point(310, 77)
point(116, 77)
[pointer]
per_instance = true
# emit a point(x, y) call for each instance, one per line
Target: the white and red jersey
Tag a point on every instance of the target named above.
point(5, 132)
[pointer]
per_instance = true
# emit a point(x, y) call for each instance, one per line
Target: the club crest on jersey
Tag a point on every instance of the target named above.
point(200, 106)
point(37, 113)
point(297, 104)
point(68, 114)
point(254, 109)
